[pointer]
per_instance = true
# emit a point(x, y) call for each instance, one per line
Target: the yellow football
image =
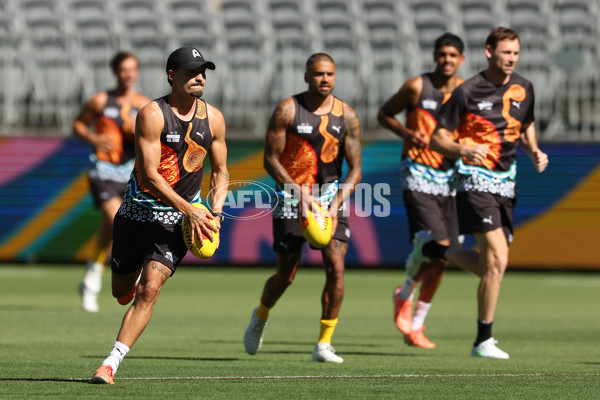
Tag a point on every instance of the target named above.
point(201, 251)
point(316, 227)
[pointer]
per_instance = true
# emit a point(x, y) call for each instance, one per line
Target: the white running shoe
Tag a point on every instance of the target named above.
point(488, 349)
point(254, 334)
point(416, 258)
point(89, 299)
point(324, 352)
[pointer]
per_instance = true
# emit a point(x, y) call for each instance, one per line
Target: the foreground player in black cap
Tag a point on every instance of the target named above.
point(173, 135)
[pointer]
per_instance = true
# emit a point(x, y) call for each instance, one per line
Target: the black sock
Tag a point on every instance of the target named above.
point(433, 249)
point(484, 332)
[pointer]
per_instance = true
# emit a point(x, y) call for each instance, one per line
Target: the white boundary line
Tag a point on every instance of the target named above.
point(405, 376)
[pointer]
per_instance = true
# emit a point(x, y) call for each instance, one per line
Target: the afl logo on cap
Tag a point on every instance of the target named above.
point(188, 58)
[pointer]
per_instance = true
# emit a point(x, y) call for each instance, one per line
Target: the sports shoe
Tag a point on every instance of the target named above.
point(254, 334)
point(104, 375)
point(89, 299)
point(324, 352)
point(416, 258)
point(402, 312)
point(488, 349)
point(417, 338)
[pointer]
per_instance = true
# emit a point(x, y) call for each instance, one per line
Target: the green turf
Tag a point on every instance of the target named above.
point(548, 322)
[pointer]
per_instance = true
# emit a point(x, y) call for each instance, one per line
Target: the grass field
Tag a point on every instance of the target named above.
point(549, 323)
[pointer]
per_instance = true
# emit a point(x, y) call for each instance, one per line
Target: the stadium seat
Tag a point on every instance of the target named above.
point(248, 64)
point(388, 42)
point(293, 33)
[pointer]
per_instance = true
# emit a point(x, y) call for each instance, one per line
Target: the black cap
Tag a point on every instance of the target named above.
point(188, 58)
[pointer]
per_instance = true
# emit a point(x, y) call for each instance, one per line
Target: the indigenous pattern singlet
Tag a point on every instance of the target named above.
point(313, 153)
point(118, 122)
point(184, 145)
point(424, 170)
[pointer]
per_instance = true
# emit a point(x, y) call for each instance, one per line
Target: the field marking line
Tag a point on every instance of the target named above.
point(298, 377)
point(283, 377)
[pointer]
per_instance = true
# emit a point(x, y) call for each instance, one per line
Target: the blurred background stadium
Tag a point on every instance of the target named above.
point(54, 55)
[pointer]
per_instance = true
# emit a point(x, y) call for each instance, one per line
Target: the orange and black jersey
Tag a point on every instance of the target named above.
point(314, 152)
point(423, 118)
point(118, 121)
point(424, 170)
point(183, 148)
point(484, 113)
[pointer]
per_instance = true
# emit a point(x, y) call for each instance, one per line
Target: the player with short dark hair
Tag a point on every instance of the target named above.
point(308, 137)
point(173, 136)
point(113, 113)
point(493, 112)
point(426, 176)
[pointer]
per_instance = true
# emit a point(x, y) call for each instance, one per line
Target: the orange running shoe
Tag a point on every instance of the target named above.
point(104, 375)
point(402, 312)
point(417, 338)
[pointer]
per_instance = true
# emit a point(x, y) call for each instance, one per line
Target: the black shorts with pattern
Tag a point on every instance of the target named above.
point(135, 242)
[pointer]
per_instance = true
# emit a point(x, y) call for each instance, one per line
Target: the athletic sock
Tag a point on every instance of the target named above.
point(421, 310)
point(408, 289)
point(263, 311)
point(327, 328)
point(116, 355)
point(484, 331)
point(433, 249)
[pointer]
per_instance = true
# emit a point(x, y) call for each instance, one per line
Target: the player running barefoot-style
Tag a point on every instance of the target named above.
point(426, 176)
point(173, 136)
point(308, 137)
point(112, 113)
point(493, 112)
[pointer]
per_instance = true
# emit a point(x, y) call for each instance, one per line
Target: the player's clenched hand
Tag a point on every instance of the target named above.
point(476, 153)
point(540, 160)
point(103, 143)
point(417, 138)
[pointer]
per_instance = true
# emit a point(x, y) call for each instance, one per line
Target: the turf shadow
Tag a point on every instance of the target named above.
point(173, 358)
point(68, 380)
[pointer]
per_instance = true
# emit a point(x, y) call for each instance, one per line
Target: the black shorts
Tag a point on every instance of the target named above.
point(134, 242)
point(287, 235)
point(103, 190)
point(432, 213)
point(480, 212)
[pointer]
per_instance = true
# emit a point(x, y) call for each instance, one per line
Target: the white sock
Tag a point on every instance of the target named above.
point(408, 289)
point(116, 355)
point(421, 310)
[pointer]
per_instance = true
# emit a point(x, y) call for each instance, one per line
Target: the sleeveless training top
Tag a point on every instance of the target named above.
point(484, 113)
point(313, 151)
point(184, 145)
point(424, 170)
point(117, 121)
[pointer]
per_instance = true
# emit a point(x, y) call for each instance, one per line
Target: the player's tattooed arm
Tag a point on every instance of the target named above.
point(281, 119)
point(353, 154)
